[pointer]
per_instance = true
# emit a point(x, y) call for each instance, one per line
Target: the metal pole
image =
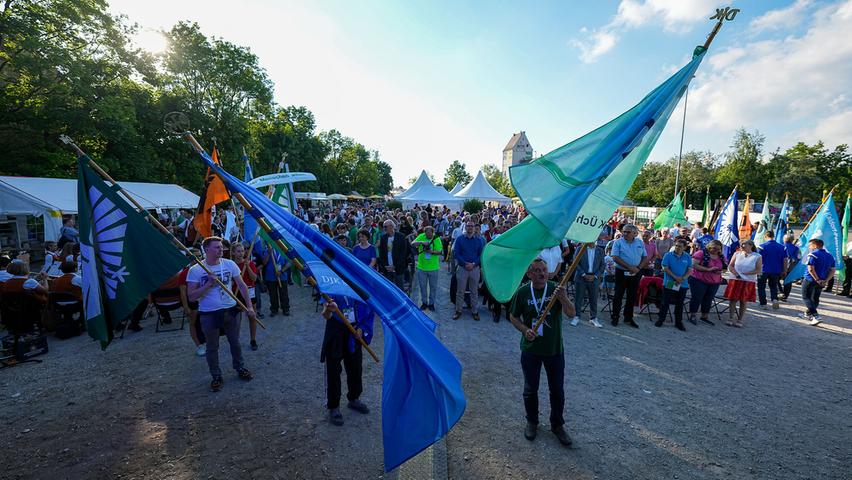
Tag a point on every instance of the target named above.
point(682, 130)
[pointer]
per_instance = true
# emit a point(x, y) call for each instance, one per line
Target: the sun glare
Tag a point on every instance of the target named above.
point(151, 40)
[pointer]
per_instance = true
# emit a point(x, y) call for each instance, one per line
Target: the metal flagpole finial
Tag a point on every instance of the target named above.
point(176, 122)
point(70, 142)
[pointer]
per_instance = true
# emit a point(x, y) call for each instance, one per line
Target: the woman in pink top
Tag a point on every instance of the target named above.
point(651, 250)
point(705, 279)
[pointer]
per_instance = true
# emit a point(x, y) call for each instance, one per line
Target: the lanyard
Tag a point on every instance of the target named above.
point(535, 302)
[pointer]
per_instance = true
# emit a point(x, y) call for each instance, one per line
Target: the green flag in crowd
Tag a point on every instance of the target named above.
point(765, 222)
point(573, 191)
point(708, 212)
point(672, 214)
point(117, 245)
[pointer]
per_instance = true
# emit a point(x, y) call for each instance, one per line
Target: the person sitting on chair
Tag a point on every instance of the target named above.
point(68, 282)
point(22, 283)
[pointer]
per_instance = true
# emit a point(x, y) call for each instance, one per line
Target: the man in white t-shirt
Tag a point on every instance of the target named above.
point(217, 309)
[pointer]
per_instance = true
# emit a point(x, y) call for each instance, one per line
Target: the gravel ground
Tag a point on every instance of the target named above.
point(770, 401)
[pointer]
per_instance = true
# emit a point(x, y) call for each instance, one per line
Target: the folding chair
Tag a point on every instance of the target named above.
point(654, 297)
point(62, 307)
point(721, 305)
point(166, 301)
point(21, 315)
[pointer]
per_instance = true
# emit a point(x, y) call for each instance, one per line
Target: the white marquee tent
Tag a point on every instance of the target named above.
point(424, 192)
point(50, 198)
point(480, 189)
point(456, 189)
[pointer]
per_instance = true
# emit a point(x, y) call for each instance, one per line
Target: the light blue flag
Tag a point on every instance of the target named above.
point(727, 226)
point(249, 224)
point(781, 225)
point(825, 226)
point(572, 191)
point(422, 395)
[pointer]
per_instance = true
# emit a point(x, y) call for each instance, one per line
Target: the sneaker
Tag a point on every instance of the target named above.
point(815, 320)
point(201, 350)
point(335, 417)
point(423, 306)
point(358, 406)
point(245, 374)
point(595, 322)
point(476, 316)
point(575, 321)
point(530, 431)
point(216, 384)
point(253, 345)
point(775, 305)
point(562, 435)
point(805, 315)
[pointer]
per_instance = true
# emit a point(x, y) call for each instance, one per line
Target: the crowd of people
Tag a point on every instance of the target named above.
point(628, 266)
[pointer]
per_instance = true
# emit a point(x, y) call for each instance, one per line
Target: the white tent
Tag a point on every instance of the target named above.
point(456, 189)
point(53, 197)
point(422, 180)
point(480, 189)
point(424, 192)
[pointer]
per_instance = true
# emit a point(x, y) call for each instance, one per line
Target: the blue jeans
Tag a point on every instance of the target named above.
point(774, 280)
point(810, 295)
point(702, 294)
point(554, 367)
point(671, 297)
point(228, 320)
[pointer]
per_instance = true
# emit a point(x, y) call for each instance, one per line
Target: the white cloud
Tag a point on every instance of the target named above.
point(781, 18)
point(779, 85)
point(674, 15)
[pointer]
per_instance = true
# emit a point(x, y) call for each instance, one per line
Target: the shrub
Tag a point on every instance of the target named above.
point(473, 205)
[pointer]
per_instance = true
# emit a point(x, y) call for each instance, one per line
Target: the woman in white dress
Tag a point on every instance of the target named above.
point(744, 268)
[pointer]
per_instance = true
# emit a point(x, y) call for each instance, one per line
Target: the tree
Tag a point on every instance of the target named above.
point(498, 181)
point(743, 164)
point(456, 173)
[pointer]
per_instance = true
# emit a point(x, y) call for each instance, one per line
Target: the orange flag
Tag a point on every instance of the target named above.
point(745, 222)
point(214, 192)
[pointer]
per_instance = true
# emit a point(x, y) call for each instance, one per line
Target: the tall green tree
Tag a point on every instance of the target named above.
point(456, 173)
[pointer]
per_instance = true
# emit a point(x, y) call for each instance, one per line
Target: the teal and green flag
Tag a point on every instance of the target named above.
point(572, 191)
point(765, 223)
point(672, 214)
point(824, 225)
point(116, 245)
point(844, 248)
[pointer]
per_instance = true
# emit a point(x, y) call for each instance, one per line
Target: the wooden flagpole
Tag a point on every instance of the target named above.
point(156, 223)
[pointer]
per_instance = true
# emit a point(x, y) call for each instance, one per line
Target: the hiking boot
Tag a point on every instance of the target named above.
point(358, 406)
point(216, 384)
point(562, 435)
point(530, 431)
point(335, 417)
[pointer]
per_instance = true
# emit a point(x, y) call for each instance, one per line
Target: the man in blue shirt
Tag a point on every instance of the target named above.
point(467, 251)
point(275, 271)
point(820, 268)
point(630, 257)
point(792, 259)
point(677, 266)
point(773, 254)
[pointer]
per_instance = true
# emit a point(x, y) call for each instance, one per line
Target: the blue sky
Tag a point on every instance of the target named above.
point(429, 82)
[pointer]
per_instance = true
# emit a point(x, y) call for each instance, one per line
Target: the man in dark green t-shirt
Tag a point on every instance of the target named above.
point(542, 347)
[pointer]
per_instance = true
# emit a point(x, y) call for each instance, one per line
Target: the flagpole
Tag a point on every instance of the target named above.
point(311, 280)
point(97, 168)
point(682, 130)
point(825, 197)
point(257, 230)
point(562, 283)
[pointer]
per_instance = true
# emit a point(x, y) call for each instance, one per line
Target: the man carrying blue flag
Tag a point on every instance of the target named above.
point(542, 347)
point(338, 345)
point(790, 261)
point(820, 268)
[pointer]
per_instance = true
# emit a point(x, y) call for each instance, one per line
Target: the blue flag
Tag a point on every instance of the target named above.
point(826, 226)
point(781, 225)
point(727, 227)
point(422, 396)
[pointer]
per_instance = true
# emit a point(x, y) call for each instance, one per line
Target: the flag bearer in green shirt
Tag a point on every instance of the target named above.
point(542, 347)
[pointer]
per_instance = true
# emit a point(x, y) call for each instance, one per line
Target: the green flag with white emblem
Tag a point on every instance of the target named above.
point(124, 257)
